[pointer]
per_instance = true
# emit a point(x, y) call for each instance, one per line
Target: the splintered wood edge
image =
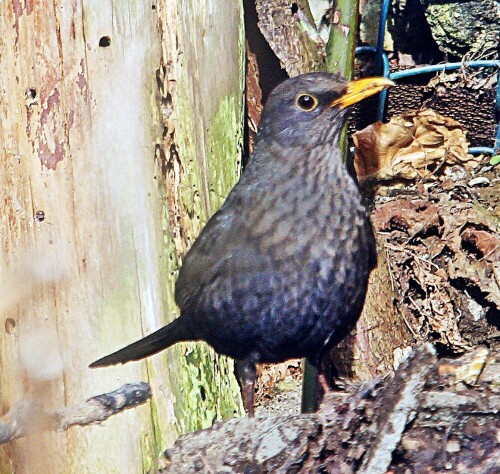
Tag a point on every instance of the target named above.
point(28, 417)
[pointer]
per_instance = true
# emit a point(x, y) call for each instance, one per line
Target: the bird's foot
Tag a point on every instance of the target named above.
point(324, 384)
point(247, 374)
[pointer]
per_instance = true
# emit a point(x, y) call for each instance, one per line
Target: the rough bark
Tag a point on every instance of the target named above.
point(287, 27)
point(465, 27)
point(429, 417)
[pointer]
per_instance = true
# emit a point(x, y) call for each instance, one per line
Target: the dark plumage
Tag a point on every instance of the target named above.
point(281, 270)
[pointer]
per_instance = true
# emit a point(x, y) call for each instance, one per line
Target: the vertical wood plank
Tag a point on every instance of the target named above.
point(88, 255)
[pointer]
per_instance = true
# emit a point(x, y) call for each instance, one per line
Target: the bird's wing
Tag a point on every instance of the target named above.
point(222, 249)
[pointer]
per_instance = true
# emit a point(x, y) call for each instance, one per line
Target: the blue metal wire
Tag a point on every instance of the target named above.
point(479, 150)
point(382, 59)
point(497, 116)
point(382, 67)
point(384, 71)
point(441, 67)
point(381, 35)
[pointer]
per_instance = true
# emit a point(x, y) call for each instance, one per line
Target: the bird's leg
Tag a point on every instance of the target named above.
point(310, 388)
point(247, 374)
point(323, 383)
point(315, 385)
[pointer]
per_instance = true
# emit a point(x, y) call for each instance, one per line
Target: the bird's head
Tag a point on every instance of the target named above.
point(311, 107)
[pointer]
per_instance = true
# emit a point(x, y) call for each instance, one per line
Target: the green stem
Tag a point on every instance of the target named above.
point(341, 45)
point(340, 51)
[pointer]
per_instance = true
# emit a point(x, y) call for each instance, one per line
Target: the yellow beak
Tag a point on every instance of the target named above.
point(361, 89)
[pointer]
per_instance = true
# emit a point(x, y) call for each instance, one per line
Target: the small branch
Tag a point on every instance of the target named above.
point(28, 417)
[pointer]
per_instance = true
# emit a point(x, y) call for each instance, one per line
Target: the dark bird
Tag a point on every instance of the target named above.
point(281, 270)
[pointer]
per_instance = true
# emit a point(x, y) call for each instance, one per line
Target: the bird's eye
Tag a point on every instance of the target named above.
point(307, 102)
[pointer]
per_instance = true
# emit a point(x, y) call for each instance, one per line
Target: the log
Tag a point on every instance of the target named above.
point(469, 27)
point(430, 416)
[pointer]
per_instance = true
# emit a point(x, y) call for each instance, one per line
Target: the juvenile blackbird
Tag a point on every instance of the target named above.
point(281, 270)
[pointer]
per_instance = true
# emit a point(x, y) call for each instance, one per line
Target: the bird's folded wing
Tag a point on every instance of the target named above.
point(222, 249)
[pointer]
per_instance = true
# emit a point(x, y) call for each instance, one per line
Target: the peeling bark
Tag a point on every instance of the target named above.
point(287, 28)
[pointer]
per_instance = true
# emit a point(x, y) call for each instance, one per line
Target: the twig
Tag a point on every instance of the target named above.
point(28, 417)
point(389, 267)
point(409, 252)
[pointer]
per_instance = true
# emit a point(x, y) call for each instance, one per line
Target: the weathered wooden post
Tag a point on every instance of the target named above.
point(121, 126)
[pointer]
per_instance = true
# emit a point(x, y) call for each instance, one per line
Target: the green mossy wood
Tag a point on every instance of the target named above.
point(121, 130)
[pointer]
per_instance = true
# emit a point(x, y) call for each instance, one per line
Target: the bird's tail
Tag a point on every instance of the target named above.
point(149, 345)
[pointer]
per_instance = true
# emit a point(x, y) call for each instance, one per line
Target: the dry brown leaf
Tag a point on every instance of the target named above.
point(270, 376)
point(482, 242)
point(444, 256)
point(415, 144)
